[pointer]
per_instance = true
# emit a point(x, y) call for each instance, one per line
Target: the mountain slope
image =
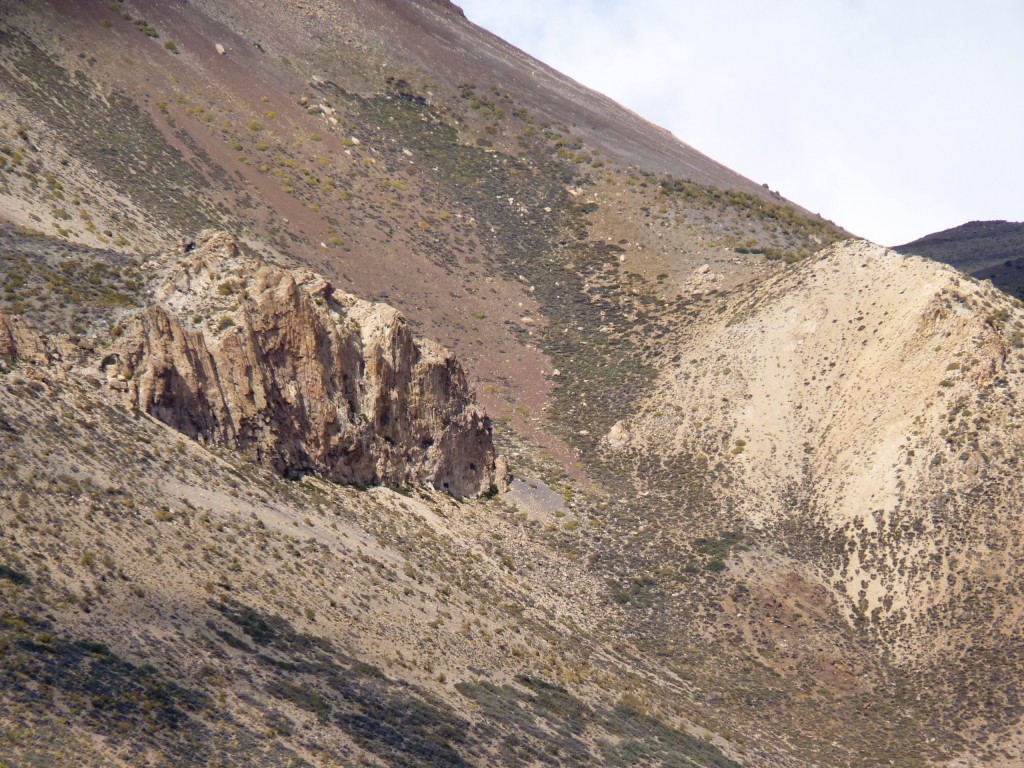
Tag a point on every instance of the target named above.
point(163, 605)
point(865, 404)
point(738, 533)
point(839, 441)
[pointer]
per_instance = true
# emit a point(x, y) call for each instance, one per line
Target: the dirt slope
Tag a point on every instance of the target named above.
point(866, 405)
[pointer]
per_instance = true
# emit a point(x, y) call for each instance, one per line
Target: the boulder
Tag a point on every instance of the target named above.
point(619, 436)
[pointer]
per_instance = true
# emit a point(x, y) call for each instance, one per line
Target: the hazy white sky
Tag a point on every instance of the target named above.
point(894, 118)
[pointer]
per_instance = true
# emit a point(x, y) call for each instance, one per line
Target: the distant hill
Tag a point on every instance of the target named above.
point(988, 250)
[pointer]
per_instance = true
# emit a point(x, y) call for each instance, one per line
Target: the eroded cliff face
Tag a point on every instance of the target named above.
point(304, 378)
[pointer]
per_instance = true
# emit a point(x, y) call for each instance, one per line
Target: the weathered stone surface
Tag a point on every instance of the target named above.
point(305, 378)
point(19, 342)
point(619, 436)
point(502, 474)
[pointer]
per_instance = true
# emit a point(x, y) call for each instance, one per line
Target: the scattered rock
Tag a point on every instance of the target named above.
point(619, 436)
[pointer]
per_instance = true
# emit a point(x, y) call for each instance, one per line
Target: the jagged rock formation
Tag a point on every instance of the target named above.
point(304, 378)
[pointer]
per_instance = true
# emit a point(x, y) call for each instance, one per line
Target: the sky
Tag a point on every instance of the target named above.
point(893, 118)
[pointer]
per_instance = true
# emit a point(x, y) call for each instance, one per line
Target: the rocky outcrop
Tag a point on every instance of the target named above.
point(19, 342)
point(305, 378)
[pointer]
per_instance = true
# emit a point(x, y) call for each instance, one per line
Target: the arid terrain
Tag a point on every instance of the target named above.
point(373, 395)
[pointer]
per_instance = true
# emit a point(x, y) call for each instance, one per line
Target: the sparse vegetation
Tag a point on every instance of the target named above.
point(623, 606)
